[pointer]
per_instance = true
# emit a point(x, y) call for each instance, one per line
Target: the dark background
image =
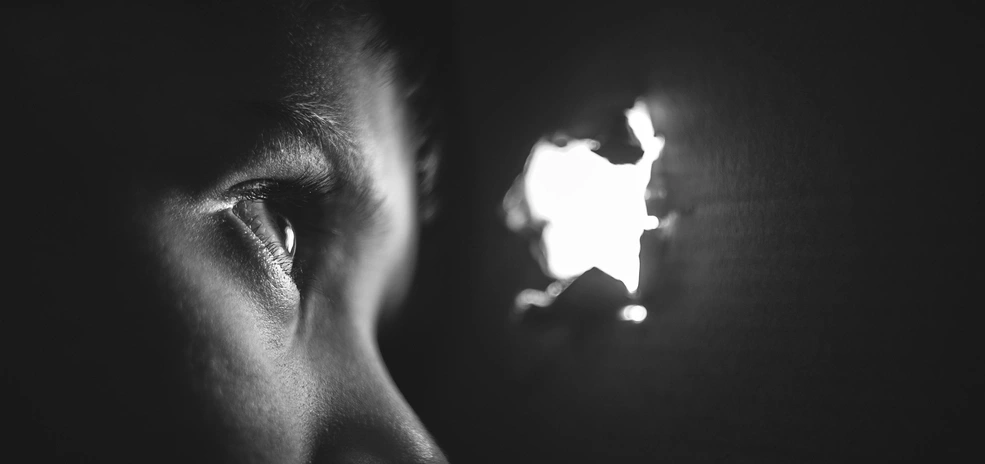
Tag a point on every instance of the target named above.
point(817, 305)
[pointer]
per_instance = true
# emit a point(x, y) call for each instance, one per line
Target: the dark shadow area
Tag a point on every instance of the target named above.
point(811, 307)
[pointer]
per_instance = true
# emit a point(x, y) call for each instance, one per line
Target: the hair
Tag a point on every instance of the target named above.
point(416, 33)
point(412, 36)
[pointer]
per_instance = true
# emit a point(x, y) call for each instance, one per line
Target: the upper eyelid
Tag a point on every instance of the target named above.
point(306, 188)
point(288, 163)
point(283, 139)
point(317, 189)
point(265, 171)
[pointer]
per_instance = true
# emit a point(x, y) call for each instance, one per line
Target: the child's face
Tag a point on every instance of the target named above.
point(268, 218)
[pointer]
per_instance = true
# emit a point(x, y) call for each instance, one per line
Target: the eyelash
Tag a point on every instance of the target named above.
point(302, 190)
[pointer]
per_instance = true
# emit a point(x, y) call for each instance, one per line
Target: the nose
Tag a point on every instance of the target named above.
point(371, 423)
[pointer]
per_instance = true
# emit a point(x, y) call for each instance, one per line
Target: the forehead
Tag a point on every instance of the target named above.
point(191, 79)
point(256, 52)
point(169, 95)
point(247, 51)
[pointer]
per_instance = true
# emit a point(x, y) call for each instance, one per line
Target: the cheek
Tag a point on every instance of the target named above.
point(241, 365)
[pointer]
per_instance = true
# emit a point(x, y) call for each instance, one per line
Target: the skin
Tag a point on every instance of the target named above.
point(180, 338)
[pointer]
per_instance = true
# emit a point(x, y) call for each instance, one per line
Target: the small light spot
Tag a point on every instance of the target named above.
point(633, 313)
point(290, 239)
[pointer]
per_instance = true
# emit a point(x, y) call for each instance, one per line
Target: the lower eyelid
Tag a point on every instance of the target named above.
point(273, 293)
point(268, 245)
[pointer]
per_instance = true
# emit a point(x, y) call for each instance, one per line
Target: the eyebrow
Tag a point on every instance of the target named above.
point(311, 119)
point(315, 120)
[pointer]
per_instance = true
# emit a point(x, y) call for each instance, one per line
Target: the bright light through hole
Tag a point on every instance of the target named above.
point(593, 212)
point(634, 313)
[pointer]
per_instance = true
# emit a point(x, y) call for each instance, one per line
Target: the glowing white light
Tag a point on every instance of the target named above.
point(634, 313)
point(593, 211)
point(638, 119)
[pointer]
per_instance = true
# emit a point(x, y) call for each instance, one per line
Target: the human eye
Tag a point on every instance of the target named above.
point(271, 228)
point(280, 217)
